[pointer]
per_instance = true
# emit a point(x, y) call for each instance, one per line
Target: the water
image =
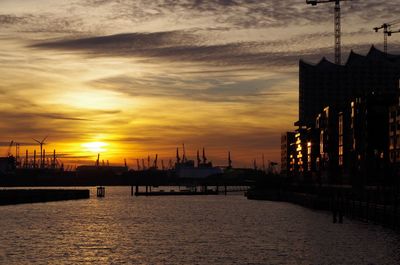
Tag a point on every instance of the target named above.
point(120, 229)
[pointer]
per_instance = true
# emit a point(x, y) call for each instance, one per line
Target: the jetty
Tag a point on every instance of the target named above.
point(18, 196)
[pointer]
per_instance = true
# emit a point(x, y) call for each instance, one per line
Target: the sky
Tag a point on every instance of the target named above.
point(132, 78)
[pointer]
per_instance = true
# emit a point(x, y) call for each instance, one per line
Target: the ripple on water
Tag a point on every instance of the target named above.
point(120, 229)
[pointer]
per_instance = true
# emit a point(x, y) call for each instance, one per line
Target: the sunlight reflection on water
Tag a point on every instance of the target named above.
point(120, 229)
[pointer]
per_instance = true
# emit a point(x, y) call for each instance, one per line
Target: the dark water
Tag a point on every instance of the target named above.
point(120, 229)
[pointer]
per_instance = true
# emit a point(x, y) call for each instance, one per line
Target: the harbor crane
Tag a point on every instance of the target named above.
point(338, 53)
point(41, 143)
point(387, 32)
point(178, 159)
point(204, 156)
point(198, 158)
point(229, 160)
point(155, 163)
point(138, 164)
point(9, 148)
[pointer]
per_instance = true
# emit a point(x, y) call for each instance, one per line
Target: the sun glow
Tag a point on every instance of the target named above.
point(95, 147)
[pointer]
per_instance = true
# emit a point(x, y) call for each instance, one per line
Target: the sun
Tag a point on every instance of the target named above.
point(95, 147)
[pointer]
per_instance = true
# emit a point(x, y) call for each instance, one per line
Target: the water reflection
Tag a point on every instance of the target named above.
point(121, 229)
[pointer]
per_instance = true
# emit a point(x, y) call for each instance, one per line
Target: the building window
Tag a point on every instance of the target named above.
point(309, 162)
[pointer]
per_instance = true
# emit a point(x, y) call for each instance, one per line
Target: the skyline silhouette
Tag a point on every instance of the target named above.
point(144, 77)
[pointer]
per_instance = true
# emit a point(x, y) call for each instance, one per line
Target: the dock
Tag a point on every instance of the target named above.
point(174, 193)
point(18, 196)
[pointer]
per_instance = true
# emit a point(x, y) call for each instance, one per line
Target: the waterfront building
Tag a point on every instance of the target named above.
point(300, 153)
point(306, 150)
point(328, 84)
point(346, 143)
point(313, 155)
point(371, 137)
point(7, 164)
point(394, 140)
point(350, 145)
point(327, 126)
point(287, 152)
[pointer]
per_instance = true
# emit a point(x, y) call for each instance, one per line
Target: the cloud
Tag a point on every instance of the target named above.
point(199, 89)
point(244, 14)
point(8, 19)
point(181, 46)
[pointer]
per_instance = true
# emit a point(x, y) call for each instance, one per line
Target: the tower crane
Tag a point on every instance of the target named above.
point(387, 32)
point(338, 55)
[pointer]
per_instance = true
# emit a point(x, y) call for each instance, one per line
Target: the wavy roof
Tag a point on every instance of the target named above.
point(355, 59)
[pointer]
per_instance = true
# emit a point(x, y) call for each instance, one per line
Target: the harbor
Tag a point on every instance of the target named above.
point(230, 132)
point(200, 230)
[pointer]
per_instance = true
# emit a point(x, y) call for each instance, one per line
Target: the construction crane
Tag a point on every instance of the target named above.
point(387, 32)
point(338, 53)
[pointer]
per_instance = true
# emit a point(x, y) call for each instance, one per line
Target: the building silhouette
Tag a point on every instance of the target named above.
point(287, 148)
point(328, 84)
point(349, 122)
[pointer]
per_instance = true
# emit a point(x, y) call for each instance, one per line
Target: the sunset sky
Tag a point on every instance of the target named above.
point(142, 77)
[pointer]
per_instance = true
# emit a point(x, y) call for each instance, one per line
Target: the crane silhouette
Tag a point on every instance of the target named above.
point(387, 32)
point(338, 53)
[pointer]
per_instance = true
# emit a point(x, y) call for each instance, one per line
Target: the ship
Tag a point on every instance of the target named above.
point(185, 168)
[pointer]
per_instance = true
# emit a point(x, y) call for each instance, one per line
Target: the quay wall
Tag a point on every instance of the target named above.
point(368, 207)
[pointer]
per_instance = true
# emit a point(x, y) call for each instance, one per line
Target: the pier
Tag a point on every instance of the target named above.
point(18, 196)
point(189, 191)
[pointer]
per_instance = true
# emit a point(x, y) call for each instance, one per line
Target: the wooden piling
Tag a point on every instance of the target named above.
point(101, 191)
